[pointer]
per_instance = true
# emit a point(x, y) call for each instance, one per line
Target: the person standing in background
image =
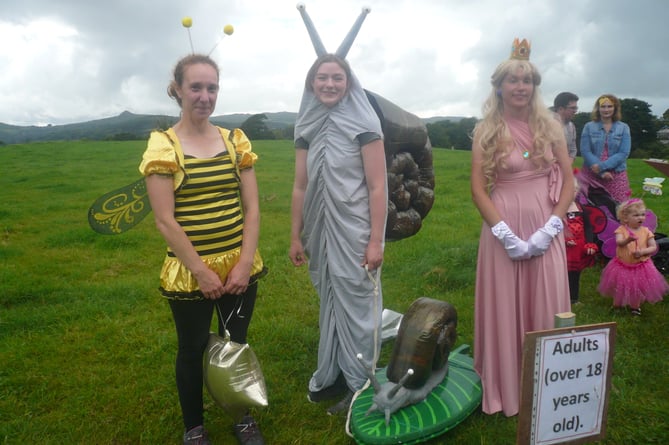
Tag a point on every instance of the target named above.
point(605, 146)
point(579, 239)
point(565, 106)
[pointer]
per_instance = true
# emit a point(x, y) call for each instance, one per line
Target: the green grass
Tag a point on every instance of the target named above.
point(87, 344)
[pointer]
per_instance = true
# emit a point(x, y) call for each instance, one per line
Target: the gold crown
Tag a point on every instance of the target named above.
point(520, 49)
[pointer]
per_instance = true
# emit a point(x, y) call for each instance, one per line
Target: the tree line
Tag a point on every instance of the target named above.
point(635, 113)
point(451, 134)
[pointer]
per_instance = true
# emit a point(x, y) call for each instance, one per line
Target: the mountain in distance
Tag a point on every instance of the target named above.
point(128, 125)
point(99, 129)
point(433, 119)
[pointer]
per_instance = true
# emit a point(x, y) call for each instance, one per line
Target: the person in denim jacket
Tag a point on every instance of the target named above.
point(605, 147)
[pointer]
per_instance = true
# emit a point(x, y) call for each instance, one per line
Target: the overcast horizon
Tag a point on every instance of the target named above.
point(70, 62)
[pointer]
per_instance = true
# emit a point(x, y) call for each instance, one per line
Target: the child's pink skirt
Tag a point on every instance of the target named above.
point(632, 284)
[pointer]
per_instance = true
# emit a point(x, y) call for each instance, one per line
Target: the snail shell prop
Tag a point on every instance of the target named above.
point(409, 168)
point(419, 361)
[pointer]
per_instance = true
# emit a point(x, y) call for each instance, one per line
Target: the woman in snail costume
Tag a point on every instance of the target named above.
point(339, 211)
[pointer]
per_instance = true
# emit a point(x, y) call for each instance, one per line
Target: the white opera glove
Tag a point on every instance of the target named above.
point(516, 248)
point(540, 240)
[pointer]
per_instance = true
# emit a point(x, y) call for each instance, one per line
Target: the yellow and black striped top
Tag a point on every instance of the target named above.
point(208, 206)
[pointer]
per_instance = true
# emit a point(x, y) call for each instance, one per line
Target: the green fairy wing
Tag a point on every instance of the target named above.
point(120, 210)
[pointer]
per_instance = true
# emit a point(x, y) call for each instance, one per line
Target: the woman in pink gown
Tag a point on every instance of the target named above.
point(522, 185)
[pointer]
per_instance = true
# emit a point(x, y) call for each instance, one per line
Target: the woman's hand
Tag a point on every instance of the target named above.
point(373, 255)
point(237, 280)
point(209, 283)
point(296, 253)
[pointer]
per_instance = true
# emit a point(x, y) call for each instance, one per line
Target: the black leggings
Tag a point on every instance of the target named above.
point(192, 320)
point(574, 284)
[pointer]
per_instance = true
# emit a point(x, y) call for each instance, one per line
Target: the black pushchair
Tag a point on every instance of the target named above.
point(602, 212)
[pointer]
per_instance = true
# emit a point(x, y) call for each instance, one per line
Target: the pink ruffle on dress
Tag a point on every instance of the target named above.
point(631, 281)
point(515, 297)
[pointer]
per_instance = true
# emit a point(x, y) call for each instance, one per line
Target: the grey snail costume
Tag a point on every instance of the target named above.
point(336, 221)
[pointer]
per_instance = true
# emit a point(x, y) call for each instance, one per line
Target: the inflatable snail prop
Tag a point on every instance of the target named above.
point(419, 361)
point(407, 147)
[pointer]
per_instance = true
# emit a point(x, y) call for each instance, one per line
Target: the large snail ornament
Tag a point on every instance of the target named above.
point(419, 361)
point(409, 168)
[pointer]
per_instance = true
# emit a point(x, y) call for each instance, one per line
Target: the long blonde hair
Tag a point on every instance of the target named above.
point(493, 133)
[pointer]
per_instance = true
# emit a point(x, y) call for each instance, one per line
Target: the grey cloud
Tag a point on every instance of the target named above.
point(125, 50)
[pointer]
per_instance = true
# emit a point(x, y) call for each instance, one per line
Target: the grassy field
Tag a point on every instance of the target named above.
point(87, 344)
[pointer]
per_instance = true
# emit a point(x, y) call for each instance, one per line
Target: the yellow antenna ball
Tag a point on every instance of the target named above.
point(187, 22)
point(228, 29)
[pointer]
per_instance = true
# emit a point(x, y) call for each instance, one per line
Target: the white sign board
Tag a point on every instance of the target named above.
point(565, 384)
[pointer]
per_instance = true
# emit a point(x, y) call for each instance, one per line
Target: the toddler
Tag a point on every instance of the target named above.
point(578, 237)
point(630, 278)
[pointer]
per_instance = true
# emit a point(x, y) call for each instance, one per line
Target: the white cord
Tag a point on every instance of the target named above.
point(377, 324)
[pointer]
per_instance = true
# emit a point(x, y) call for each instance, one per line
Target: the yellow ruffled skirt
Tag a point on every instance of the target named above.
point(178, 283)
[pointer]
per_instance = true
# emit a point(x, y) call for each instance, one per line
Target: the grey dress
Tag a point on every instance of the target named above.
point(336, 221)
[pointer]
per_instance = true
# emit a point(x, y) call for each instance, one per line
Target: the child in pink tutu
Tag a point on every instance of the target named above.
point(631, 278)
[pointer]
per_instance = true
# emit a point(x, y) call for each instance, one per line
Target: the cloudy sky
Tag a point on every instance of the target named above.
point(69, 61)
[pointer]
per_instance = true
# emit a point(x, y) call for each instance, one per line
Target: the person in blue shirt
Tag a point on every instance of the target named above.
point(605, 147)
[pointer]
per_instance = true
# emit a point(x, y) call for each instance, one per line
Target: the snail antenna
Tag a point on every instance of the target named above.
point(400, 384)
point(342, 51)
point(311, 29)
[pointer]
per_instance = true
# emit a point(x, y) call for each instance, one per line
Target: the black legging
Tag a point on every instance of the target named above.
point(574, 284)
point(192, 320)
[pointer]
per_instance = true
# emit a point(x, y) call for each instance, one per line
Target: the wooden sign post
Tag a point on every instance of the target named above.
point(565, 382)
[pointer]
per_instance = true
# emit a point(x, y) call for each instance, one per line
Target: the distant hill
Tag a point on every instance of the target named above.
point(125, 123)
point(136, 126)
point(431, 120)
